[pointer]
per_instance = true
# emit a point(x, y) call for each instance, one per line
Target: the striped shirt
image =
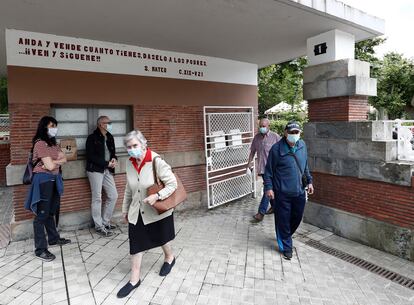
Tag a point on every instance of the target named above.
point(42, 150)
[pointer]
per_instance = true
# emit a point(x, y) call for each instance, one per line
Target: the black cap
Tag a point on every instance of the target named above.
point(292, 125)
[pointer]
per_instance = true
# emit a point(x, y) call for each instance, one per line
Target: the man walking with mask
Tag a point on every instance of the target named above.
point(261, 144)
point(285, 179)
point(100, 167)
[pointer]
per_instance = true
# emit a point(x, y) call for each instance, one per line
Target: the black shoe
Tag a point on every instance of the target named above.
point(46, 256)
point(287, 255)
point(110, 227)
point(166, 268)
point(60, 242)
point(124, 291)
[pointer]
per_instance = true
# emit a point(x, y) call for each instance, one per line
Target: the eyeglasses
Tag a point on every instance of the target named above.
point(293, 132)
point(108, 123)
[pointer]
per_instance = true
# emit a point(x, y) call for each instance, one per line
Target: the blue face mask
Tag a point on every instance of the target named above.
point(263, 130)
point(135, 152)
point(293, 138)
point(109, 128)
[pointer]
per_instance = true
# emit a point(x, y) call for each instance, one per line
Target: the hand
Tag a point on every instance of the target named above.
point(310, 189)
point(114, 162)
point(111, 164)
point(125, 217)
point(151, 199)
point(270, 194)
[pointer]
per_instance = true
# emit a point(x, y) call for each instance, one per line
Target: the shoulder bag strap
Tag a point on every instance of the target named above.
point(297, 162)
point(154, 170)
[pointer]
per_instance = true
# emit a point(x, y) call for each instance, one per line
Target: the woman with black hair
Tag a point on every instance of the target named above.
point(47, 187)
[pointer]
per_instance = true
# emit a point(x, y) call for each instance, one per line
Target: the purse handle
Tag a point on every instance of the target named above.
point(154, 171)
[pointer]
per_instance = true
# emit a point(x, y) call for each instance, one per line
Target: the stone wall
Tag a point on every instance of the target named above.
point(361, 191)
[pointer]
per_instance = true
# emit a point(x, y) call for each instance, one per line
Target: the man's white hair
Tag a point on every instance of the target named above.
point(135, 134)
point(264, 120)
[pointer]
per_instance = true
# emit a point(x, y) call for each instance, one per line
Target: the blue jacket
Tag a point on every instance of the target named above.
point(34, 195)
point(282, 173)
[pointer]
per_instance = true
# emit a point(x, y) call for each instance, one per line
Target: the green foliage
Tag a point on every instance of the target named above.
point(364, 50)
point(3, 95)
point(281, 83)
point(278, 126)
point(395, 78)
point(395, 85)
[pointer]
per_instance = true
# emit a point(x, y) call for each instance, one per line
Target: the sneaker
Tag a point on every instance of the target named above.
point(110, 227)
point(46, 256)
point(104, 232)
point(287, 255)
point(128, 287)
point(258, 217)
point(60, 242)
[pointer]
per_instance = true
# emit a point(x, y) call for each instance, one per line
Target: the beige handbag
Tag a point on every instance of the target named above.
point(173, 200)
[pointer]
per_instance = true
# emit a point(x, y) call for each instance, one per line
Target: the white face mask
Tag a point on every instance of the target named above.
point(52, 132)
point(293, 138)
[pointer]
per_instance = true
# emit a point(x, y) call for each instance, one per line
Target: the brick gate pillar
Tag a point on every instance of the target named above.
point(362, 192)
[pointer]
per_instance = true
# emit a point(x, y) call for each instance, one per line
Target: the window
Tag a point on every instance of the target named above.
point(79, 122)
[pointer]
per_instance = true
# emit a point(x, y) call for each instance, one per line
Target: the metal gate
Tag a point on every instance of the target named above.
point(228, 133)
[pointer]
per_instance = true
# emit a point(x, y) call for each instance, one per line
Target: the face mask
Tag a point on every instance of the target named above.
point(109, 128)
point(263, 130)
point(52, 132)
point(135, 152)
point(293, 138)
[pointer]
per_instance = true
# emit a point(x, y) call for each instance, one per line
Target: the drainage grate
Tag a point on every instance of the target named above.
point(390, 275)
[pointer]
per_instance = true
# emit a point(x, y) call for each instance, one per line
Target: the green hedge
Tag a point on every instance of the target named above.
point(279, 125)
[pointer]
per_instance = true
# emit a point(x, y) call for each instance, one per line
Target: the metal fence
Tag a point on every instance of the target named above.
point(228, 135)
point(401, 131)
point(4, 126)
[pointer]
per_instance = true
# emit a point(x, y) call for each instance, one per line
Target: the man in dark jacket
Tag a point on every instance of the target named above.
point(285, 179)
point(100, 167)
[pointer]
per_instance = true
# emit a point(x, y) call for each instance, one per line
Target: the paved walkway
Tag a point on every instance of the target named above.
point(222, 258)
point(6, 214)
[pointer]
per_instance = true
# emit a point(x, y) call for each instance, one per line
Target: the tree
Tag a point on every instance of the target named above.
point(3, 95)
point(281, 83)
point(395, 78)
point(395, 88)
point(364, 50)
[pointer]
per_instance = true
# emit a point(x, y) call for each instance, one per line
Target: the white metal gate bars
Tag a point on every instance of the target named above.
point(228, 132)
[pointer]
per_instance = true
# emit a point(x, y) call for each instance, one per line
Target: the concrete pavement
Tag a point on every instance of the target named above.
point(222, 258)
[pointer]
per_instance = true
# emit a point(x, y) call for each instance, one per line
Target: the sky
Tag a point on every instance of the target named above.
point(399, 23)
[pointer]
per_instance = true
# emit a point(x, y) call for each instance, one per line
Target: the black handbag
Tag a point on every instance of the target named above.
point(303, 176)
point(28, 172)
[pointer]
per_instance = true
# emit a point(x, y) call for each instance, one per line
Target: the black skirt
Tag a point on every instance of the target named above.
point(144, 237)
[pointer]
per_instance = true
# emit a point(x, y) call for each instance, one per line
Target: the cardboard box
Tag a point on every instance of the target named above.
point(69, 148)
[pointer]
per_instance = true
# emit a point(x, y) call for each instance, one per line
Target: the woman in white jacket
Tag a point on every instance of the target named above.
point(146, 229)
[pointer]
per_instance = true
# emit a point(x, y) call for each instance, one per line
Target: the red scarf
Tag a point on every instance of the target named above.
point(147, 158)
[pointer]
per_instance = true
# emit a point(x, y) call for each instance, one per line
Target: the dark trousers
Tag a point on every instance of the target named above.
point(45, 218)
point(289, 213)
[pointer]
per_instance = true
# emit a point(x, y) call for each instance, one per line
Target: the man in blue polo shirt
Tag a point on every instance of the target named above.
point(285, 178)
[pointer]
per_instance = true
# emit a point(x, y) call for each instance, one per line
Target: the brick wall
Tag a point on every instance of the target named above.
point(386, 202)
point(23, 125)
point(171, 128)
point(76, 196)
point(344, 108)
point(4, 161)
point(167, 128)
